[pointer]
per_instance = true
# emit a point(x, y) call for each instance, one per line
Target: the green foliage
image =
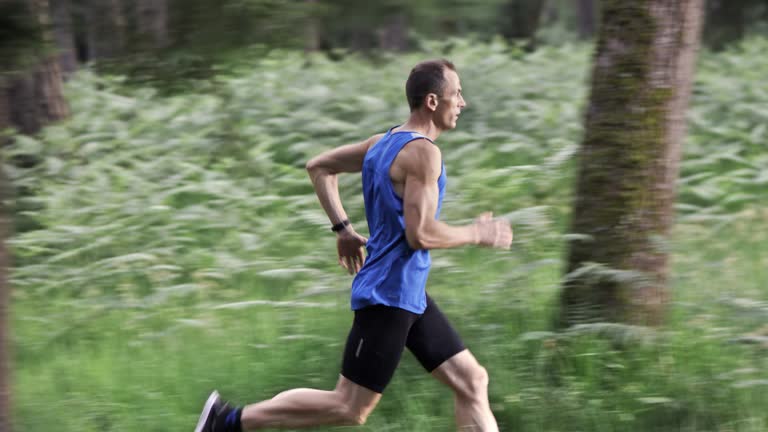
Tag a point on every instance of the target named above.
point(727, 134)
point(172, 244)
point(203, 25)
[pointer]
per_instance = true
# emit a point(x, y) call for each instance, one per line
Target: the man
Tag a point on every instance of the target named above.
point(403, 186)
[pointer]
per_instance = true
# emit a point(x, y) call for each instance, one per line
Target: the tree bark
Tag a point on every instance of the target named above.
point(5, 346)
point(628, 162)
point(393, 36)
point(521, 20)
point(106, 27)
point(61, 16)
point(152, 22)
point(35, 97)
point(312, 41)
point(725, 22)
point(586, 13)
point(5, 293)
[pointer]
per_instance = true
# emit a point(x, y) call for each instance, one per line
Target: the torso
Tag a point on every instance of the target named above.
point(393, 274)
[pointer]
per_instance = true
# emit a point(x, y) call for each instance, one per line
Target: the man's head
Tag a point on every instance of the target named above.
point(434, 86)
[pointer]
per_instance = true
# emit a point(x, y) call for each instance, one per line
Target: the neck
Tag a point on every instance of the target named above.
point(422, 123)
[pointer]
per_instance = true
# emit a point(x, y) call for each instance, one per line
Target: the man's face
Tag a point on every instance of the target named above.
point(450, 102)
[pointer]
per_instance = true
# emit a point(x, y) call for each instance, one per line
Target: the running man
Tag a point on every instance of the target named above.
point(403, 186)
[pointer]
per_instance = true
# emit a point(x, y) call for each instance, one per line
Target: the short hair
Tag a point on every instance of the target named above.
point(425, 78)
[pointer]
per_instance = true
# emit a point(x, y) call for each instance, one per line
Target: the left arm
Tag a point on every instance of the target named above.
point(323, 170)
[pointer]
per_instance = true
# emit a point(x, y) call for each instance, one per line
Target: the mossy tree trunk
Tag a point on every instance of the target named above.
point(617, 263)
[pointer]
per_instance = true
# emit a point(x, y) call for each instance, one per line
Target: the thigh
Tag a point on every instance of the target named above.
point(375, 345)
point(432, 339)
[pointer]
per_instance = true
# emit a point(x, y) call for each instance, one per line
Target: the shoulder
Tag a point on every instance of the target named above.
point(422, 148)
point(421, 156)
point(372, 140)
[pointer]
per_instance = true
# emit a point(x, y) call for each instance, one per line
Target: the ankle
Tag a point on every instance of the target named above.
point(229, 420)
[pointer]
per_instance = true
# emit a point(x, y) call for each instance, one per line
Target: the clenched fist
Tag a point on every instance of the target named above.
point(495, 233)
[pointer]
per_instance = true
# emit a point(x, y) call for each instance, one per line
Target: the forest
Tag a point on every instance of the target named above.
point(161, 237)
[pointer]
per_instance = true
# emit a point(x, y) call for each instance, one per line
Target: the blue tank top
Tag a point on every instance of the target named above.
point(394, 274)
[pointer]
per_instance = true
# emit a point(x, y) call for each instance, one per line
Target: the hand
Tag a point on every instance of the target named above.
point(350, 246)
point(495, 233)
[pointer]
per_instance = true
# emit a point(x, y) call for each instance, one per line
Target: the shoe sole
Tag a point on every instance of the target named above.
point(212, 399)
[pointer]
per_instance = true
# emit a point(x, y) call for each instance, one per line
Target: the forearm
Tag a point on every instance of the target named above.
point(327, 189)
point(440, 235)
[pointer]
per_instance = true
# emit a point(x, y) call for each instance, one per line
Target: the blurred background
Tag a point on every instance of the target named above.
point(162, 238)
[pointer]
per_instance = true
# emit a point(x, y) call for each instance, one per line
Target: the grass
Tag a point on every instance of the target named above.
point(149, 368)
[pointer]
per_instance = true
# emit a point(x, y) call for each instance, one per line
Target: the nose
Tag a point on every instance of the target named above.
point(462, 102)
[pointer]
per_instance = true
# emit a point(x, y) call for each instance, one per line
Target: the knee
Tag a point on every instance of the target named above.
point(357, 419)
point(349, 415)
point(475, 382)
point(479, 379)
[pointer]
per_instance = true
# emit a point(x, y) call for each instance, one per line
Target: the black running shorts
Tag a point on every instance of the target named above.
point(379, 334)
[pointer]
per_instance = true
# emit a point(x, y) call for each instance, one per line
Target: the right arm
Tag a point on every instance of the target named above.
point(422, 163)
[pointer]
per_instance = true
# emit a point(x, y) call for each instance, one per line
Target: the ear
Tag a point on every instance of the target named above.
point(431, 101)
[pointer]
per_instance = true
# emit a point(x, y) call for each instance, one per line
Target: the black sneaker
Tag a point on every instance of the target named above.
point(208, 417)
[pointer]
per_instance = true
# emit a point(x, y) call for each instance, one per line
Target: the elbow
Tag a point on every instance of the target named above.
point(416, 240)
point(314, 169)
point(312, 165)
point(317, 167)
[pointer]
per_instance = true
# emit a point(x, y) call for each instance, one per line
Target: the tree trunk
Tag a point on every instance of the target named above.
point(312, 41)
point(628, 162)
point(5, 355)
point(61, 16)
point(521, 19)
point(106, 26)
point(394, 35)
point(586, 13)
point(36, 97)
point(5, 293)
point(152, 22)
point(726, 22)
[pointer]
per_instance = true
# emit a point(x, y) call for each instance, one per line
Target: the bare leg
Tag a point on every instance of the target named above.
point(469, 382)
point(347, 404)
